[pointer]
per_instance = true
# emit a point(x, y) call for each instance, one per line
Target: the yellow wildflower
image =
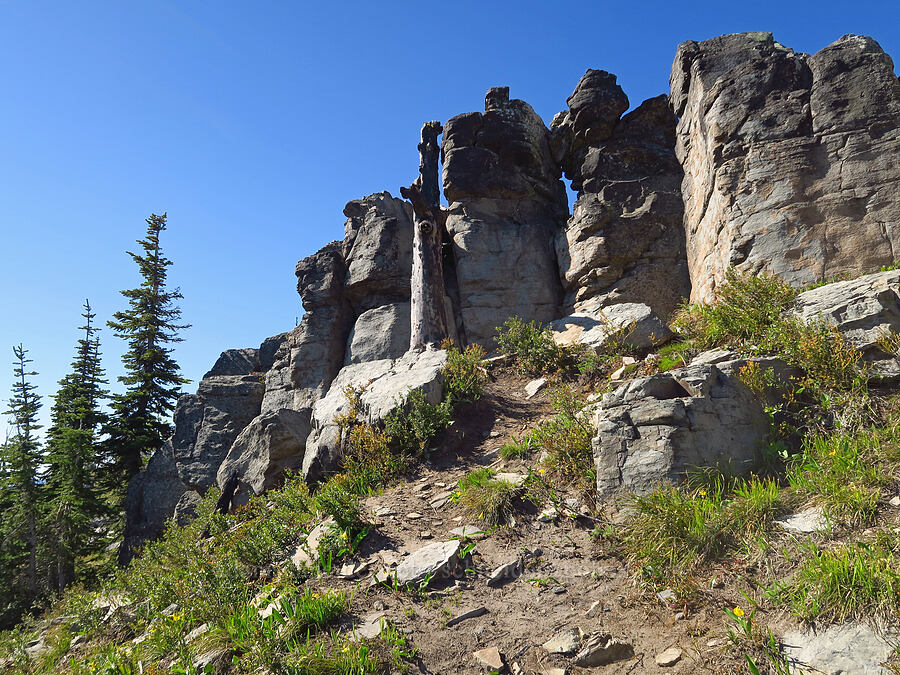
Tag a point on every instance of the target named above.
point(738, 611)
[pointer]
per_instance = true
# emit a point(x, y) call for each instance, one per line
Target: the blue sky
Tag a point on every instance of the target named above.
point(253, 123)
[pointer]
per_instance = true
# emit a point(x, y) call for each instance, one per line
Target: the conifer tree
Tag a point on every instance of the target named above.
point(19, 466)
point(73, 496)
point(140, 420)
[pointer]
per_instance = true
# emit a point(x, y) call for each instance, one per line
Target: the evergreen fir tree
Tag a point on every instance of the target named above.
point(73, 498)
point(140, 420)
point(19, 466)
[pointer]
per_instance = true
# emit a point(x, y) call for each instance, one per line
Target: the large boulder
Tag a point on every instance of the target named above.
point(628, 324)
point(385, 386)
point(791, 162)
point(377, 249)
point(654, 430)
point(271, 443)
point(379, 333)
point(624, 241)
point(863, 310)
point(506, 204)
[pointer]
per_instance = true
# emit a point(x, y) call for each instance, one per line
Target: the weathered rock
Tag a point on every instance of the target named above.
point(152, 497)
point(217, 659)
point(669, 657)
point(533, 387)
point(565, 642)
point(468, 532)
point(387, 384)
point(307, 552)
point(625, 323)
point(371, 626)
point(206, 424)
point(271, 443)
point(312, 354)
point(506, 203)
point(377, 248)
point(506, 572)
point(489, 658)
point(379, 333)
point(654, 429)
point(434, 561)
point(790, 161)
point(851, 649)
point(863, 310)
point(600, 649)
point(624, 241)
point(806, 521)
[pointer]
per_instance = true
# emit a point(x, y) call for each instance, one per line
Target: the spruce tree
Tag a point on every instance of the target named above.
point(73, 497)
point(19, 466)
point(140, 417)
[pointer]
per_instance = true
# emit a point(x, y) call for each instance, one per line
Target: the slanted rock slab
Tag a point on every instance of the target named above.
point(565, 642)
point(806, 521)
point(600, 649)
point(839, 650)
point(669, 657)
point(434, 561)
point(629, 322)
point(489, 658)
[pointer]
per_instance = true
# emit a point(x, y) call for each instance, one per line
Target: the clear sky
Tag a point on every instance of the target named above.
point(253, 123)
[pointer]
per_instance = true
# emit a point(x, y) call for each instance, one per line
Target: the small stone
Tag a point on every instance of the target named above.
point(371, 626)
point(558, 590)
point(384, 511)
point(805, 522)
point(553, 671)
point(895, 501)
point(548, 515)
point(666, 596)
point(715, 642)
point(594, 609)
point(379, 606)
point(468, 532)
point(600, 649)
point(413, 516)
point(489, 658)
point(425, 534)
point(79, 640)
point(429, 562)
point(440, 485)
point(533, 387)
point(509, 477)
point(716, 582)
point(440, 499)
point(669, 657)
point(352, 570)
point(565, 642)
point(202, 629)
point(628, 360)
point(421, 487)
point(506, 572)
point(495, 434)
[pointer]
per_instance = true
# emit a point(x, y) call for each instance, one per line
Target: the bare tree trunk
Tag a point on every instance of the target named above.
point(427, 311)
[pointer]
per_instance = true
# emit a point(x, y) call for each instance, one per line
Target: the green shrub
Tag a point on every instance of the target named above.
point(745, 310)
point(566, 438)
point(517, 449)
point(464, 374)
point(531, 346)
point(413, 424)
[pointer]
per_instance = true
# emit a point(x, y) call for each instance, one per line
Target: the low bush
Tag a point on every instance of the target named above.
point(464, 374)
point(566, 439)
point(531, 347)
point(413, 424)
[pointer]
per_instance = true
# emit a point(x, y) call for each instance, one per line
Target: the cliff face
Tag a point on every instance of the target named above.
point(761, 159)
point(791, 162)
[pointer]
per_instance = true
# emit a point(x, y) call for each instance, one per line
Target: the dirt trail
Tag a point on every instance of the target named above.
point(556, 588)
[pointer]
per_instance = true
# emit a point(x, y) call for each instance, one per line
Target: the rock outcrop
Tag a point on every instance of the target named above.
point(654, 430)
point(865, 311)
point(625, 239)
point(206, 424)
point(626, 323)
point(791, 162)
point(506, 204)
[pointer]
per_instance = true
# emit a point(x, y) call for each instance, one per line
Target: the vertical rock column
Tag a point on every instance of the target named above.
point(506, 204)
point(625, 239)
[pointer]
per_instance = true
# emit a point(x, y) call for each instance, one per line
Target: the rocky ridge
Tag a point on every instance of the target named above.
point(761, 159)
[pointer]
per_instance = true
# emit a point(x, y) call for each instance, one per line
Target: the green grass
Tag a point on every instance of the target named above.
point(519, 449)
point(846, 473)
point(675, 530)
point(486, 498)
point(566, 439)
point(853, 580)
